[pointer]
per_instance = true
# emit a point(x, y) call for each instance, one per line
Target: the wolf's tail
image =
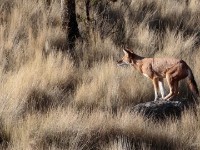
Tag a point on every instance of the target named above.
point(192, 83)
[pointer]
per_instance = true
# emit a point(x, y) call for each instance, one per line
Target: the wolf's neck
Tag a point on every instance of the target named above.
point(137, 58)
point(137, 61)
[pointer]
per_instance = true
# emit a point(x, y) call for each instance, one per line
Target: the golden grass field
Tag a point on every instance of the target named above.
point(49, 100)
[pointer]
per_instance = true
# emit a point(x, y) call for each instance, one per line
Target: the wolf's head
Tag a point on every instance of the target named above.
point(126, 59)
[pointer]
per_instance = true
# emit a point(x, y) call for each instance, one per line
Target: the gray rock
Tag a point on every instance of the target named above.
point(163, 109)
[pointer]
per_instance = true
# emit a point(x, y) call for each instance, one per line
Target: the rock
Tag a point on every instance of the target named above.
point(163, 109)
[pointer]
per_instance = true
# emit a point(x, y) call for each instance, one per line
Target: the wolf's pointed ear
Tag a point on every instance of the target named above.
point(126, 51)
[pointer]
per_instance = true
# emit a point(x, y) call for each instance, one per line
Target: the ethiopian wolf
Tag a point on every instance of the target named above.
point(157, 69)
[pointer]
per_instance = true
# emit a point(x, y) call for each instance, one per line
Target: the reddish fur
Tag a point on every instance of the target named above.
point(172, 69)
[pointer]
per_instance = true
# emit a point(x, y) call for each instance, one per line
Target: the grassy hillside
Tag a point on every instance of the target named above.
point(49, 100)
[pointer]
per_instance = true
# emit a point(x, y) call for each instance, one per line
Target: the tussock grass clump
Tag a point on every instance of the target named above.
point(50, 100)
point(106, 85)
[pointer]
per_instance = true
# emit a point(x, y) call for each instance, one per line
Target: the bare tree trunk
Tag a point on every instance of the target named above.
point(48, 3)
point(87, 5)
point(69, 22)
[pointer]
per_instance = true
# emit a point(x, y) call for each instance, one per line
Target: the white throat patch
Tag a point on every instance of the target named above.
point(145, 75)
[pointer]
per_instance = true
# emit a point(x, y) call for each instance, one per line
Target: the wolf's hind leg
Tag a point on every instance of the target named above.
point(171, 87)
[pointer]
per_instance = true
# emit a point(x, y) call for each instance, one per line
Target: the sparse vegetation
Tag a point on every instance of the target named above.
point(50, 100)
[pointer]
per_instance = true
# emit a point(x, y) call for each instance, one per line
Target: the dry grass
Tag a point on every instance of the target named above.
point(50, 101)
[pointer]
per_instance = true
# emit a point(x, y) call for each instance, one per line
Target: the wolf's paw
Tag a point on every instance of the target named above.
point(161, 99)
